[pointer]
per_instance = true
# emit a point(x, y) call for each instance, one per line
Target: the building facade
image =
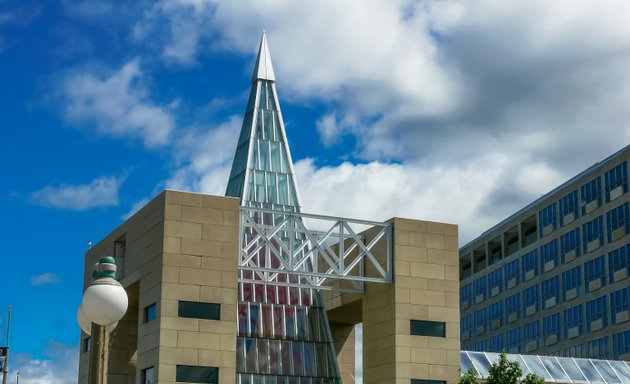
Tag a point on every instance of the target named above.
point(239, 289)
point(552, 279)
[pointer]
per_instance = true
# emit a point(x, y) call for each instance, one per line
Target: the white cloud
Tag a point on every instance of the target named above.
point(61, 367)
point(117, 105)
point(100, 192)
point(204, 157)
point(45, 279)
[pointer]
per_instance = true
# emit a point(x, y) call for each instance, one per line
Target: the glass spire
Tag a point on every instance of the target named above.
point(283, 333)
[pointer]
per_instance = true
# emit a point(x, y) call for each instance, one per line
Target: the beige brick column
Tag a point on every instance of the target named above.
point(425, 287)
point(343, 338)
point(200, 264)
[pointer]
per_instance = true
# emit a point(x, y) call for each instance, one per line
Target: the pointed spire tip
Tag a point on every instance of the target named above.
point(263, 69)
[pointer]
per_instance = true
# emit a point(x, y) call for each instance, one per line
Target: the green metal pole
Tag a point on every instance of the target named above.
point(5, 369)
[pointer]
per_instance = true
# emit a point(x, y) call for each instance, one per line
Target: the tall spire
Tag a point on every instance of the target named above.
point(263, 69)
point(283, 330)
point(262, 172)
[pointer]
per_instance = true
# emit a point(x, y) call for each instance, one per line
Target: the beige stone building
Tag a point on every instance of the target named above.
point(248, 289)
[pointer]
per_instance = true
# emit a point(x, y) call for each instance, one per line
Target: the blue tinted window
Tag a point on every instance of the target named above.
point(572, 279)
point(513, 305)
point(531, 331)
point(570, 241)
point(465, 294)
point(619, 302)
point(598, 348)
point(530, 297)
point(530, 263)
point(547, 216)
point(481, 319)
point(616, 177)
point(591, 191)
point(480, 288)
point(593, 230)
point(550, 288)
point(573, 318)
point(549, 252)
point(511, 272)
point(496, 313)
point(618, 218)
point(621, 344)
point(495, 280)
point(551, 325)
point(466, 325)
point(568, 205)
point(596, 309)
point(497, 343)
point(514, 340)
point(618, 259)
point(593, 270)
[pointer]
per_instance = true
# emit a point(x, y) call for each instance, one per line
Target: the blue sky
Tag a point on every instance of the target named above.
point(440, 110)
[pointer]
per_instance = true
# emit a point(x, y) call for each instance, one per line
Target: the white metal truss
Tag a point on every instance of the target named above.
point(277, 248)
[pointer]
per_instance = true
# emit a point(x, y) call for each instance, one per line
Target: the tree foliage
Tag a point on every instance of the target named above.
point(503, 371)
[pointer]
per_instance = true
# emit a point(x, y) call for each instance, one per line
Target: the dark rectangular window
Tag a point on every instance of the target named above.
point(550, 292)
point(530, 300)
point(619, 260)
point(196, 374)
point(549, 255)
point(590, 192)
point(618, 218)
point(596, 310)
point(428, 328)
point(573, 321)
point(150, 313)
point(496, 314)
point(466, 327)
point(86, 344)
point(481, 321)
point(620, 303)
point(196, 310)
point(551, 326)
point(531, 331)
point(568, 208)
point(621, 344)
point(616, 177)
point(572, 283)
point(593, 234)
point(595, 273)
point(480, 289)
point(465, 294)
point(512, 274)
point(495, 282)
point(547, 220)
point(570, 242)
point(418, 381)
point(497, 344)
point(530, 265)
point(513, 308)
point(598, 348)
point(514, 340)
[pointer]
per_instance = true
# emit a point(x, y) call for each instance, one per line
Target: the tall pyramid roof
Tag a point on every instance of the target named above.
point(262, 172)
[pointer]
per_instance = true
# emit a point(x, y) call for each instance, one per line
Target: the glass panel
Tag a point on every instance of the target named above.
point(286, 357)
point(194, 374)
point(465, 362)
point(606, 371)
point(309, 359)
point(195, 310)
point(298, 355)
point(554, 369)
point(519, 360)
point(621, 370)
point(480, 362)
point(267, 321)
point(302, 325)
point(283, 192)
point(536, 366)
point(240, 354)
point(588, 370)
point(250, 355)
point(571, 369)
point(262, 347)
point(275, 358)
point(289, 322)
point(320, 350)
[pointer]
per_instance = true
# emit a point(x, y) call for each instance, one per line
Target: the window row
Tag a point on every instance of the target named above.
point(590, 317)
point(596, 273)
point(567, 208)
point(524, 340)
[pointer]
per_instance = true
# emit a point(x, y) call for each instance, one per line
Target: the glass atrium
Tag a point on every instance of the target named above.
point(553, 369)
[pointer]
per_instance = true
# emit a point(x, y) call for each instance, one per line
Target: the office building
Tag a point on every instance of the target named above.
point(248, 289)
point(552, 279)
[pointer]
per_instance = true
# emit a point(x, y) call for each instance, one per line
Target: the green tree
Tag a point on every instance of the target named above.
point(503, 371)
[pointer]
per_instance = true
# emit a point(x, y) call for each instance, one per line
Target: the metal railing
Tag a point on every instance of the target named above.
point(279, 248)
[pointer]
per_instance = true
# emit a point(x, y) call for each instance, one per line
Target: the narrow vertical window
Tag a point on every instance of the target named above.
point(150, 313)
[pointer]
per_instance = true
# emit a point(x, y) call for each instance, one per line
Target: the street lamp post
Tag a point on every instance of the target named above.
point(104, 304)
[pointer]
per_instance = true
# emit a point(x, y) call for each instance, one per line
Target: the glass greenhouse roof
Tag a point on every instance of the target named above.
point(553, 369)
